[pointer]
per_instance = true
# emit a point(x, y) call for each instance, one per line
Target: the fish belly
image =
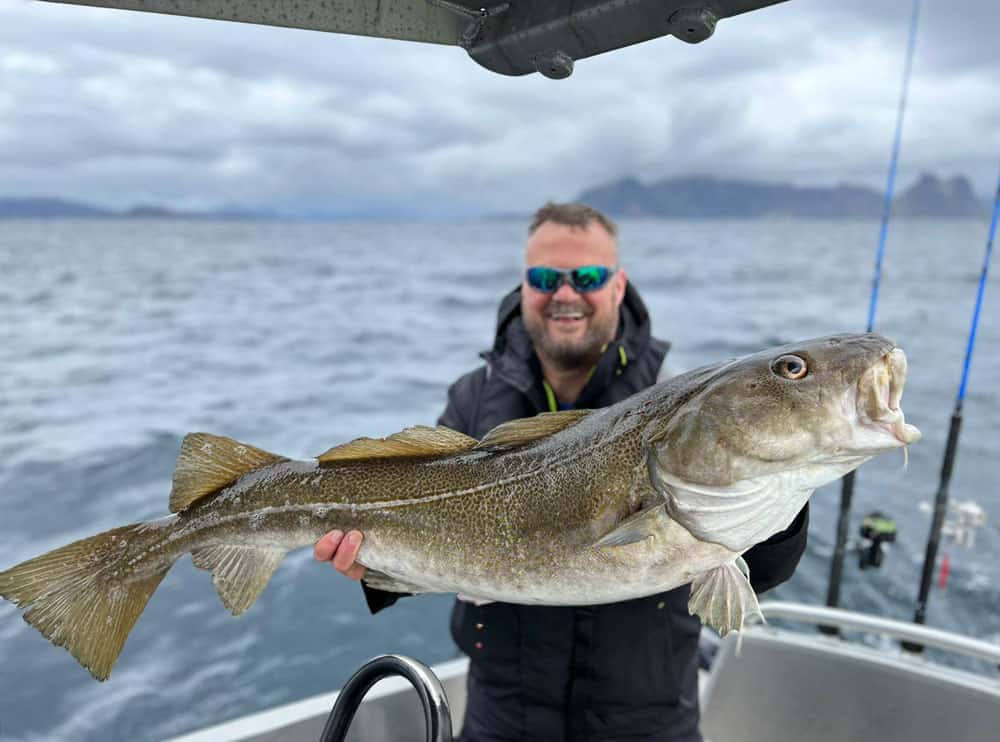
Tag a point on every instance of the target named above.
point(589, 575)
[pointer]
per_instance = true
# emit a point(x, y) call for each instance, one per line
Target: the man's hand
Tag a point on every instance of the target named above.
point(342, 551)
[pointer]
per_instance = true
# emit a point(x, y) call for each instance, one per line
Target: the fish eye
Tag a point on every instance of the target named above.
point(790, 367)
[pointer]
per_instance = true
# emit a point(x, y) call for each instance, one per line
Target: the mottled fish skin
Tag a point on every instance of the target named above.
point(516, 526)
point(664, 488)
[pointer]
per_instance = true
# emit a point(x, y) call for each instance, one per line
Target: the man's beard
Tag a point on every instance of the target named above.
point(570, 354)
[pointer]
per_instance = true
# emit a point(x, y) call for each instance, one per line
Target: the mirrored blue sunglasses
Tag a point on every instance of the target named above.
point(583, 279)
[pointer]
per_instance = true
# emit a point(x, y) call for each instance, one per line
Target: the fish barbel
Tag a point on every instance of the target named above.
point(580, 507)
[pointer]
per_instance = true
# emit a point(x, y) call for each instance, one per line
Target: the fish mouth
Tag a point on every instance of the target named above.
point(876, 403)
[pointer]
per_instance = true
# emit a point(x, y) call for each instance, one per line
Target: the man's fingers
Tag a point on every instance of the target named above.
point(326, 547)
point(356, 572)
point(343, 560)
point(341, 550)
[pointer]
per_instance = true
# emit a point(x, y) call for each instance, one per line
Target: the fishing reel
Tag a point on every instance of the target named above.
point(962, 520)
point(877, 531)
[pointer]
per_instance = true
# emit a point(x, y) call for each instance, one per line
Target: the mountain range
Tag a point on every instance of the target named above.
point(689, 197)
point(706, 197)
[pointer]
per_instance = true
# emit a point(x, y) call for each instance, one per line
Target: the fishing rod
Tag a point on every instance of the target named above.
point(951, 447)
point(847, 483)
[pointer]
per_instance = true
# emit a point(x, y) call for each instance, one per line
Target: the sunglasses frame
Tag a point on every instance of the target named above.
point(568, 276)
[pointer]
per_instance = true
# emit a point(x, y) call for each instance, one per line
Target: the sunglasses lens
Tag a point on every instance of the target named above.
point(590, 277)
point(586, 278)
point(543, 279)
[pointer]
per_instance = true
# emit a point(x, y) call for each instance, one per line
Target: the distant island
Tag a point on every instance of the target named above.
point(711, 198)
point(59, 208)
point(690, 197)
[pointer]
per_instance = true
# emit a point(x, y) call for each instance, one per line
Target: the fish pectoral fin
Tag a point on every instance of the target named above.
point(420, 441)
point(723, 597)
point(636, 527)
point(382, 581)
point(239, 572)
point(530, 429)
point(207, 463)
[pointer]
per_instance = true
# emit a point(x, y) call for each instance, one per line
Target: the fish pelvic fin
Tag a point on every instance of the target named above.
point(530, 429)
point(723, 598)
point(420, 441)
point(240, 572)
point(77, 597)
point(207, 463)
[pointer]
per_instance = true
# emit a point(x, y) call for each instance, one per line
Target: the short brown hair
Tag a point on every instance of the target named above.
point(572, 215)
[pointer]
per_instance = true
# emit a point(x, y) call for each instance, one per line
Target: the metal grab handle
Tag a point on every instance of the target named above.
point(437, 714)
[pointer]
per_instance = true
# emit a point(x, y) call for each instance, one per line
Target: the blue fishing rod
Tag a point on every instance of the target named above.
point(951, 447)
point(847, 483)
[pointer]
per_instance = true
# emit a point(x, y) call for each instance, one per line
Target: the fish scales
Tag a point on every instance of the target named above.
point(492, 500)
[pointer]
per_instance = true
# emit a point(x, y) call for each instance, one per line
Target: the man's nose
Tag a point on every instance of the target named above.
point(565, 292)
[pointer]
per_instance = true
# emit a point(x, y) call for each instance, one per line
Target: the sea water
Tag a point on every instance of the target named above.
point(118, 337)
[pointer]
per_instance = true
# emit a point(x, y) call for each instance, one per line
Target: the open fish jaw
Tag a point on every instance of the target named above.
point(874, 406)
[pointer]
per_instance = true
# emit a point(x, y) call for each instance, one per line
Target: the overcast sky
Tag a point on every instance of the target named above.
point(119, 108)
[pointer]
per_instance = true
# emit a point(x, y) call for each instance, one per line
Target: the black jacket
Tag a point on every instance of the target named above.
point(622, 671)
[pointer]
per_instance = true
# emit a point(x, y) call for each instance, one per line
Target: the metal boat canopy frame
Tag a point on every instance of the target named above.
point(511, 37)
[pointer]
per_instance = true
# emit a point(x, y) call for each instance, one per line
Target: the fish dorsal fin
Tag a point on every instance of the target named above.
point(207, 463)
point(419, 441)
point(529, 429)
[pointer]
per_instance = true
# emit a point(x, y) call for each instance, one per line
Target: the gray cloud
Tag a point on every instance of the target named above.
point(120, 107)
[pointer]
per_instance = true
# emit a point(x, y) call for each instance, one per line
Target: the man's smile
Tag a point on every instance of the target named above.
point(567, 316)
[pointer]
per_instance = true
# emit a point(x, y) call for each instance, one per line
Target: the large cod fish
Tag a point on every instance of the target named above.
point(665, 488)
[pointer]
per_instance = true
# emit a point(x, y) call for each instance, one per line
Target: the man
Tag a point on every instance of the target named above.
point(574, 334)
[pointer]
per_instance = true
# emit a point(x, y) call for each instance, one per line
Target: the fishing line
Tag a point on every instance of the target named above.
point(951, 448)
point(847, 486)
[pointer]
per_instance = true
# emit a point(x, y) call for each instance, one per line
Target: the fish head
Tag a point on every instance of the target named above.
point(740, 450)
point(833, 400)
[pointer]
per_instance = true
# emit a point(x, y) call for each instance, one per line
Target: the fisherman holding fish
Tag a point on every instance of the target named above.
point(583, 539)
point(574, 335)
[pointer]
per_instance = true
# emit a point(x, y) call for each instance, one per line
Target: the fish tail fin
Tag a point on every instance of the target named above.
point(85, 596)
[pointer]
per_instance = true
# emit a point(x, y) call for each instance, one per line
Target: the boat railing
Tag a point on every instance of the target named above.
point(775, 684)
point(911, 633)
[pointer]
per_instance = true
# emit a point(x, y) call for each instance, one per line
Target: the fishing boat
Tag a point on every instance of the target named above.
point(848, 676)
point(769, 685)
